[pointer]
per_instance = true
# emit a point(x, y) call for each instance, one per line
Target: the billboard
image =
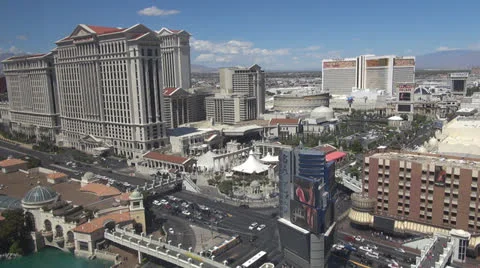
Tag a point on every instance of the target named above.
point(378, 63)
point(458, 85)
point(405, 87)
point(404, 108)
point(304, 216)
point(459, 75)
point(384, 224)
point(404, 96)
point(306, 191)
point(294, 240)
point(404, 62)
point(440, 176)
point(339, 64)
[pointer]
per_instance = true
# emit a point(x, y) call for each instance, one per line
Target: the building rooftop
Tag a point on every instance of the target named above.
point(17, 184)
point(437, 159)
point(166, 158)
point(284, 121)
point(11, 162)
point(100, 190)
point(100, 222)
point(56, 175)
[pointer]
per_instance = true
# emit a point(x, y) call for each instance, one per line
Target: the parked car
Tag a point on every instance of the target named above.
point(252, 226)
point(261, 227)
point(171, 231)
point(186, 213)
point(367, 249)
point(372, 255)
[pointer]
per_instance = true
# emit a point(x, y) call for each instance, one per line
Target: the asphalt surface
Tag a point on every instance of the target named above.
point(386, 252)
point(241, 218)
point(47, 159)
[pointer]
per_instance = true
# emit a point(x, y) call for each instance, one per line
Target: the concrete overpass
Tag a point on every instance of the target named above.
point(350, 182)
point(161, 250)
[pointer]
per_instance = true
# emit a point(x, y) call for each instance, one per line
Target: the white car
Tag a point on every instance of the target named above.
point(261, 227)
point(359, 238)
point(156, 203)
point(186, 213)
point(367, 249)
point(372, 246)
point(252, 226)
point(163, 202)
point(170, 230)
point(372, 255)
point(400, 250)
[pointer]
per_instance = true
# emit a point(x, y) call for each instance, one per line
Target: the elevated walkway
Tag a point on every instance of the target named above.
point(158, 249)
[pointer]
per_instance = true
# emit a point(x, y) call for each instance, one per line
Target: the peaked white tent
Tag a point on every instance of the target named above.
point(251, 165)
point(269, 158)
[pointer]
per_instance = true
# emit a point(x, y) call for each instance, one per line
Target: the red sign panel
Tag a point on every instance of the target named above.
point(403, 62)
point(339, 64)
point(405, 87)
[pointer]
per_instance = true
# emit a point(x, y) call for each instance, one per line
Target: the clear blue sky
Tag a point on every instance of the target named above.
point(276, 34)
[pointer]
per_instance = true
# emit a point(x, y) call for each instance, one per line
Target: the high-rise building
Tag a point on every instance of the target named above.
point(458, 83)
point(175, 51)
point(307, 186)
point(421, 193)
point(245, 81)
point(110, 89)
point(32, 95)
point(340, 76)
point(230, 109)
point(197, 103)
point(177, 107)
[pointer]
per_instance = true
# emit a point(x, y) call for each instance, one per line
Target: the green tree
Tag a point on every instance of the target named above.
point(356, 147)
point(14, 236)
point(226, 187)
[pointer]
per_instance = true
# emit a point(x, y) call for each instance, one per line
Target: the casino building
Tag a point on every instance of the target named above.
point(307, 186)
point(407, 192)
point(340, 76)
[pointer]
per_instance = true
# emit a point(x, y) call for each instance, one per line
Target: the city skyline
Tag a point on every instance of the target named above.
point(276, 36)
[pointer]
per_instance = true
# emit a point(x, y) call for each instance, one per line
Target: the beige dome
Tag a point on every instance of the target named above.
point(322, 111)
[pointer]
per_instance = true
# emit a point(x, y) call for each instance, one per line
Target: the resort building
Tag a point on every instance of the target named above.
point(421, 193)
point(110, 89)
point(175, 54)
point(32, 95)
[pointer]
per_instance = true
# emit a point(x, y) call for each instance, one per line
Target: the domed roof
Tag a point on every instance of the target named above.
point(39, 195)
point(322, 111)
point(254, 184)
point(136, 195)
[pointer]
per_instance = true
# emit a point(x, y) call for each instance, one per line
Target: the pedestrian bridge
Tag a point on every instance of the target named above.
point(161, 250)
point(350, 182)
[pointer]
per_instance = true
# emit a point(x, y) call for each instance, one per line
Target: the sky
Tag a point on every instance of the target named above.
point(277, 35)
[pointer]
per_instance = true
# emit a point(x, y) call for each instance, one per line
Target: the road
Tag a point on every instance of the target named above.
point(49, 159)
point(267, 239)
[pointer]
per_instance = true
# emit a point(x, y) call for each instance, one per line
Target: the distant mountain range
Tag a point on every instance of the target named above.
point(450, 59)
point(197, 68)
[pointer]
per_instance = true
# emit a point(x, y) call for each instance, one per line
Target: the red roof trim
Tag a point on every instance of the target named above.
point(169, 91)
point(335, 156)
point(284, 121)
point(166, 158)
point(104, 30)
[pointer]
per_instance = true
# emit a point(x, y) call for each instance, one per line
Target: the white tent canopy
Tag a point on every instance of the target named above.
point(269, 158)
point(251, 165)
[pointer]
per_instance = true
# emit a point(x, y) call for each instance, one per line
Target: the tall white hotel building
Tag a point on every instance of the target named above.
point(175, 51)
point(340, 76)
point(32, 95)
point(110, 89)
